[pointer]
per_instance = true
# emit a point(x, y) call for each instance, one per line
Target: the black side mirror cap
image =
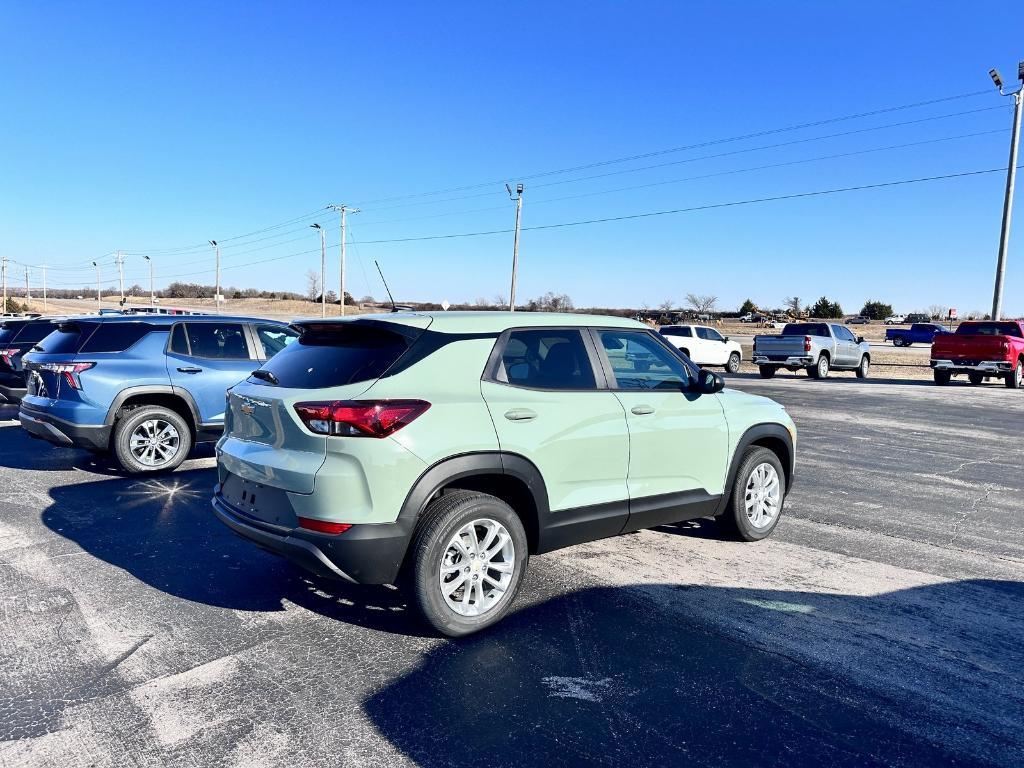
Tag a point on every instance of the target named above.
point(860, 339)
point(709, 382)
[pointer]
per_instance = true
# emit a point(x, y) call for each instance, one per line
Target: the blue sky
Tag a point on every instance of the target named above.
point(153, 128)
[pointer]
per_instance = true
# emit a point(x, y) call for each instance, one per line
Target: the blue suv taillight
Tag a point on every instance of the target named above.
point(70, 371)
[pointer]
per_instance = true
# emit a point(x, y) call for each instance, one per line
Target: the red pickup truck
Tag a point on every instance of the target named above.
point(981, 349)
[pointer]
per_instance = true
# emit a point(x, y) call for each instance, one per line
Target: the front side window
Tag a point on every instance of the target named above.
point(640, 362)
point(710, 334)
point(214, 341)
point(274, 338)
point(546, 358)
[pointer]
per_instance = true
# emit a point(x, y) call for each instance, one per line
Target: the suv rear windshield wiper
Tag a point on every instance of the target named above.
point(266, 376)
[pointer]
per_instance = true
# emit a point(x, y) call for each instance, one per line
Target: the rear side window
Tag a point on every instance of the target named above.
point(115, 337)
point(335, 354)
point(547, 358)
point(677, 331)
point(212, 341)
point(274, 338)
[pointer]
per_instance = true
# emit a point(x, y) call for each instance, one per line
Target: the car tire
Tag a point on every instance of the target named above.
point(1015, 379)
point(820, 369)
point(863, 368)
point(434, 547)
point(139, 425)
point(975, 378)
point(766, 371)
point(942, 377)
point(733, 366)
point(741, 518)
point(897, 342)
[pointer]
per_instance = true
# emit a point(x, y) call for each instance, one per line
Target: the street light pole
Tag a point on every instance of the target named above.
point(120, 275)
point(342, 209)
point(3, 268)
point(1011, 177)
point(515, 245)
point(44, 287)
point(152, 293)
point(323, 267)
point(28, 290)
point(99, 301)
point(216, 289)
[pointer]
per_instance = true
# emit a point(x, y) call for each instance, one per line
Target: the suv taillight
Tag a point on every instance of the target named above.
point(7, 354)
point(807, 343)
point(360, 418)
point(69, 370)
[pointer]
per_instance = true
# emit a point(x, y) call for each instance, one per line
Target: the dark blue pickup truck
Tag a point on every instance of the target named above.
point(918, 333)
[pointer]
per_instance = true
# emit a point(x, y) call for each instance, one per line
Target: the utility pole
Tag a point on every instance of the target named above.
point(3, 268)
point(44, 287)
point(515, 245)
point(342, 209)
point(1011, 177)
point(323, 267)
point(216, 290)
point(99, 301)
point(28, 291)
point(152, 293)
point(120, 274)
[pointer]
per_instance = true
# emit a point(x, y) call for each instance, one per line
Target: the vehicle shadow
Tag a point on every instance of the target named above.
point(621, 676)
point(838, 379)
point(149, 526)
point(19, 450)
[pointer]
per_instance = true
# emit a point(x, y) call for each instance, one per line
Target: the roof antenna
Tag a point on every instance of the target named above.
point(392, 298)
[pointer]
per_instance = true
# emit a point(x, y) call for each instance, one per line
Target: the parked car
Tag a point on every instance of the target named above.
point(16, 338)
point(982, 349)
point(895, 320)
point(816, 347)
point(917, 317)
point(859, 320)
point(750, 317)
point(918, 333)
point(441, 450)
point(145, 389)
point(704, 346)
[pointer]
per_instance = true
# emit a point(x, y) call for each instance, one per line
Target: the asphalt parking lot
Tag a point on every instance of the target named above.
point(880, 625)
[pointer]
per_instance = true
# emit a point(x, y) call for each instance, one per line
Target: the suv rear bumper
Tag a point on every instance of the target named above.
point(981, 366)
point(60, 432)
point(789, 361)
point(11, 394)
point(364, 554)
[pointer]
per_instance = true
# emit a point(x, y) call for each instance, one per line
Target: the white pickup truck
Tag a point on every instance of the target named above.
point(704, 345)
point(815, 347)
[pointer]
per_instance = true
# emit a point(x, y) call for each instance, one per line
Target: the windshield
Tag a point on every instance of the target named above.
point(989, 329)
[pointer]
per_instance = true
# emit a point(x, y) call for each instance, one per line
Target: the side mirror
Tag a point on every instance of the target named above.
point(708, 382)
point(860, 339)
point(725, 338)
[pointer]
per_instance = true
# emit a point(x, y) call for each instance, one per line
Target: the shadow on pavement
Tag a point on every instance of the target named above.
point(162, 530)
point(841, 377)
point(600, 677)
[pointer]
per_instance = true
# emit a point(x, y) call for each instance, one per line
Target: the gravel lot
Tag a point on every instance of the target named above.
point(880, 625)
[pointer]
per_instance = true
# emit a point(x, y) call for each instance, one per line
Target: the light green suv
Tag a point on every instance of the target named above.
point(441, 450)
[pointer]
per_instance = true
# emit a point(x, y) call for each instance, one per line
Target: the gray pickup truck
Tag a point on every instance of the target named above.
point(815, 347)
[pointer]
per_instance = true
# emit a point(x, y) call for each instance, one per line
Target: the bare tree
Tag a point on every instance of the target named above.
point(935, 311)
point(312, 285)
point(793, 303)
point(703, 304)
point(666, 306)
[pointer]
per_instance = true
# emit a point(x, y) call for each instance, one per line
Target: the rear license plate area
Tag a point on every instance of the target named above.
point(260, 502)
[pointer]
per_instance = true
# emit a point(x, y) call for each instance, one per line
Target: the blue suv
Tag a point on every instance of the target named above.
point(145, 389)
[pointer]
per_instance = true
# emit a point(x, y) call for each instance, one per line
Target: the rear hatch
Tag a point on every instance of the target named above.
point(9, 331)
point(794, 341)
point(50, 364)
point(265, 442)
point(972, 344)
point(18, 338)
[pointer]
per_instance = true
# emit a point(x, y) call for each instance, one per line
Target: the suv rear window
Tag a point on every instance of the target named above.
point(335, 354)
point(66, 339)
point(8, 331)
point(35, 331)
point(115, 337)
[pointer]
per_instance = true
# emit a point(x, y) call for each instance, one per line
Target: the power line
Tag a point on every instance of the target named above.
point(698, 145)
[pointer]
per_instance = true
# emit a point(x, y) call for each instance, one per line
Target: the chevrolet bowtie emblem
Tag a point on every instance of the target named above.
point(248, 409)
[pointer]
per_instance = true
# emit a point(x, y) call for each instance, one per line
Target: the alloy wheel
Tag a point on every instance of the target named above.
point(154, 442)
point(477, 567)
point(763, 495)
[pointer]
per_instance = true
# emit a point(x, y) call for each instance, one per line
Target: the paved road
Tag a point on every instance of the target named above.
point(880, 625)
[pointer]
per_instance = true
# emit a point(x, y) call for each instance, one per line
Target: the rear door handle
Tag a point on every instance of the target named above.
point(641, 410)
point(190, 369)
point(520, 414)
